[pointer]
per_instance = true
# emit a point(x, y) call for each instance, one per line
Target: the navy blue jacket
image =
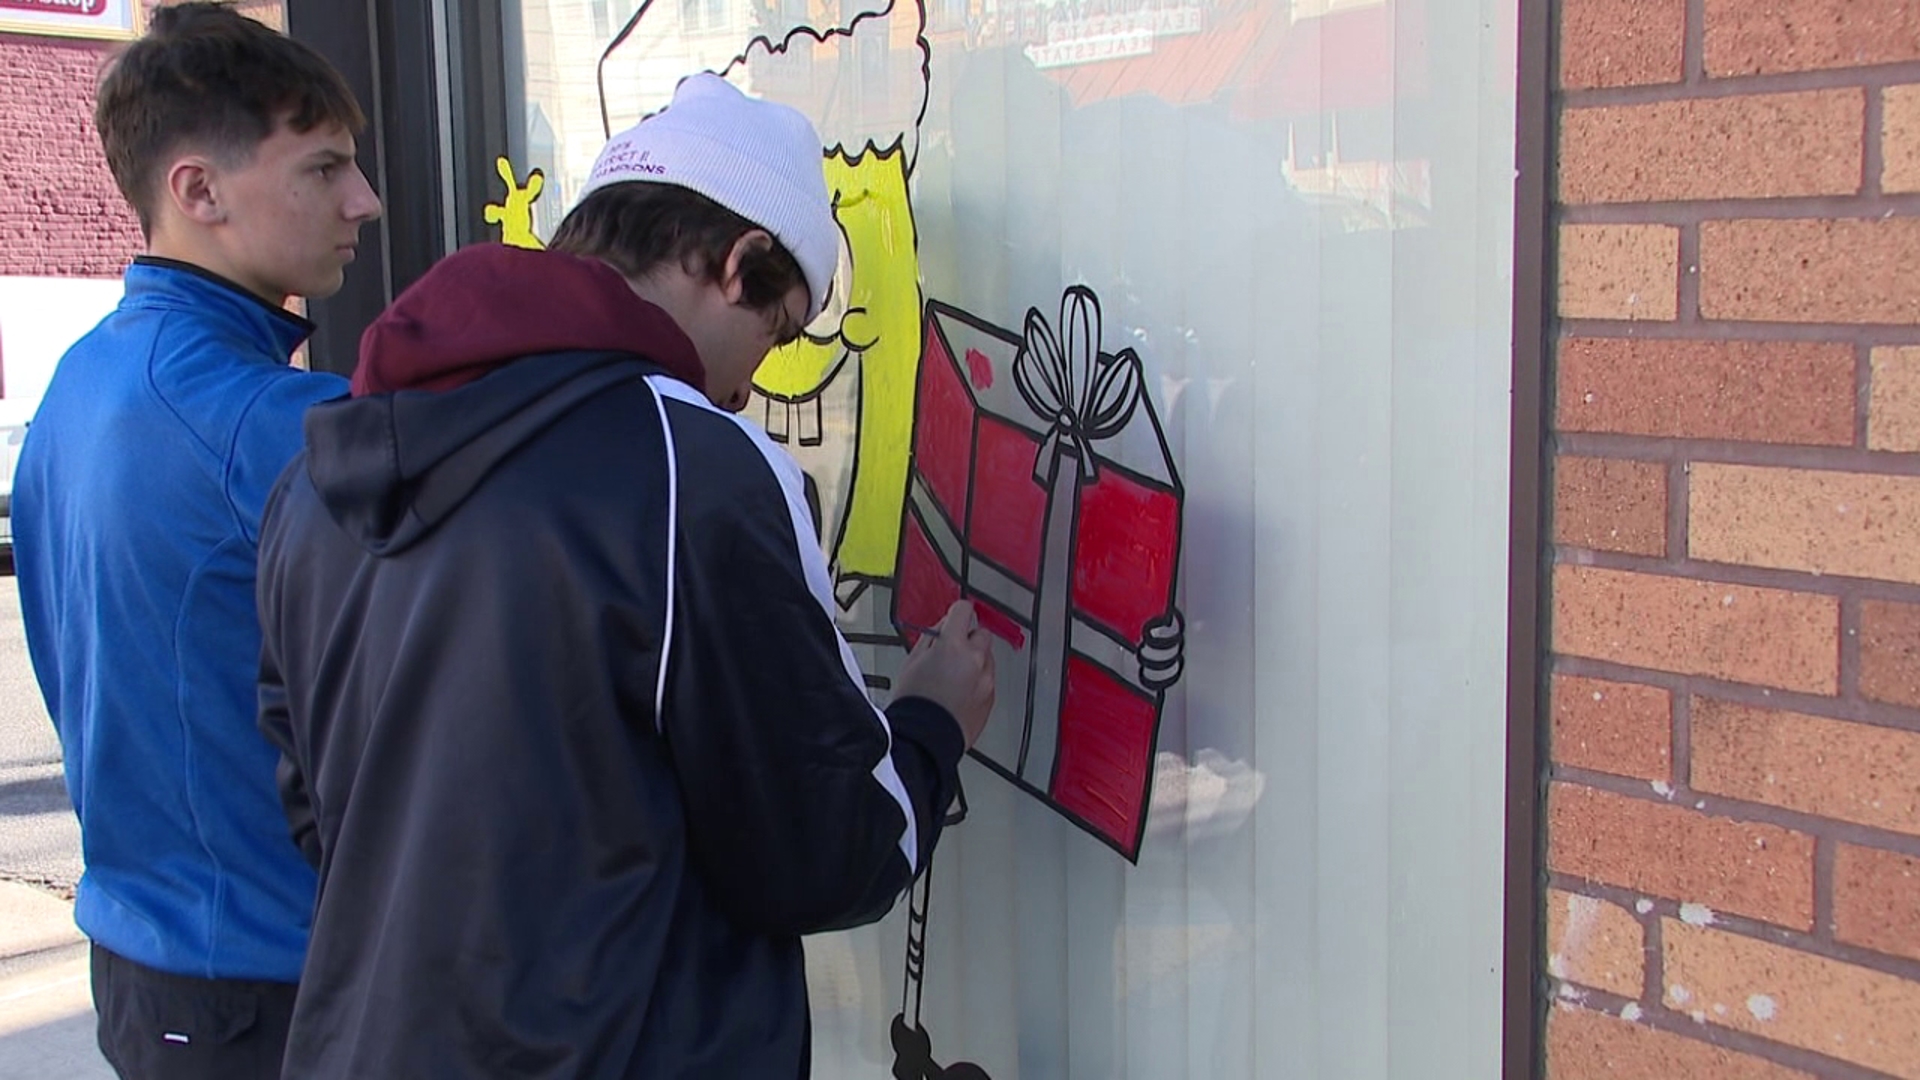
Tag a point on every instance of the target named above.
point(568, 726)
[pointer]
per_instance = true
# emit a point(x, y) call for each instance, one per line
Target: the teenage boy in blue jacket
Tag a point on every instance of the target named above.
point(137, 507)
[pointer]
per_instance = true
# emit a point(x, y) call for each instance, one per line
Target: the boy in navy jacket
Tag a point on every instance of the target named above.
point(550, 650)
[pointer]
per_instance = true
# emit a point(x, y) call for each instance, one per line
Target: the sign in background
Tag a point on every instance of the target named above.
point(71, 18)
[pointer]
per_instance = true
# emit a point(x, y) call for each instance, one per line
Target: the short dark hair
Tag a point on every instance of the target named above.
point(636, 227)
point(207, 77)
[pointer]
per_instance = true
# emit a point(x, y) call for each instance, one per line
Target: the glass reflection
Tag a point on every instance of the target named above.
point(1170, 331)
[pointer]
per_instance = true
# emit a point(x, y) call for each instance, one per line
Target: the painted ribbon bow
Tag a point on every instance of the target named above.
point(1086, 397)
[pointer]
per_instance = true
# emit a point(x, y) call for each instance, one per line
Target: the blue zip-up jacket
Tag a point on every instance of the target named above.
point(136, 515)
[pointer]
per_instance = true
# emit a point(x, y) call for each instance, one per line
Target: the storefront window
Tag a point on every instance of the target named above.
point(1176, 333)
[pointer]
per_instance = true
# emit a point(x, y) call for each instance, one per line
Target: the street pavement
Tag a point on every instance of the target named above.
point(46, 1009)
point(39, 838)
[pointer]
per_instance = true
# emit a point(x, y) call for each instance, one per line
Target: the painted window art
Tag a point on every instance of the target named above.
point(1041, 488)
point(1171, 334)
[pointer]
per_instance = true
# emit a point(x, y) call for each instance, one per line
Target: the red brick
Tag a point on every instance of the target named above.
point(1749, 37)
point(1849, 1012)
point(1619, 272)
point(1771, 637)
point(1757, 391)
point(1890, 652)
point(1613, 727)
point(1893, 411)
point(1900, 138)
point(1593, 943)
point(1840, 271)
point(1621, 42)
point(60, 214)
point(1876, 900)
point(1587, 1045)
point(1831, 768)
point(1751, 147)
point(1821, 521)
point(1745, 868)
point(1610, 504)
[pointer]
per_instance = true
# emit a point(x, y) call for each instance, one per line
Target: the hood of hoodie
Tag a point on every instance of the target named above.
point(484, 352)
point(487, 306)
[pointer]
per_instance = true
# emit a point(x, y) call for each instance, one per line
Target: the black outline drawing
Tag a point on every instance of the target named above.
point(849, 586)
point(1161, 655)
point(912, 1046)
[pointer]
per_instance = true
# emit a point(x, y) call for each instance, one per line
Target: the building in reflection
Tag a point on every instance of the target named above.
point(1327, 73)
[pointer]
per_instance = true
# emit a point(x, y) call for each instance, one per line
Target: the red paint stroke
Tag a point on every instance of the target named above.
point(1000, 625)
point(979, 369)
point(1123, 558)
point(943, 428)
point(1105, 755)
point(1009, 511)
point(926, 586)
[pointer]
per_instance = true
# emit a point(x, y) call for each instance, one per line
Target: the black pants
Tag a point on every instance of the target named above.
point(159, 1026)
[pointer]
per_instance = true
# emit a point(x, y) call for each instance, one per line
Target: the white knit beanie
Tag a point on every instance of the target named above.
point(759, 159)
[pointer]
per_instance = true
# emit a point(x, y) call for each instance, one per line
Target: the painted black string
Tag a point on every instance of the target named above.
point(600, 69)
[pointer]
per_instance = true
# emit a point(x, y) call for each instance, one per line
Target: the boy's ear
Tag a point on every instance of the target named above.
point(192, 187)
point(751, 242)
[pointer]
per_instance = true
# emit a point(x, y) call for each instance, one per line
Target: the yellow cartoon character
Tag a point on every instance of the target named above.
point(866, 346)
point(842, 397)
point(515, 215)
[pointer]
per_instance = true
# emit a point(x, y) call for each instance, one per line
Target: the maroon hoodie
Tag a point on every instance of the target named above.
point(490, 305)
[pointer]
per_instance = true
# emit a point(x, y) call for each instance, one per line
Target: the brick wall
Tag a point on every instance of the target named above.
point(60, 214)
point(1734, 822)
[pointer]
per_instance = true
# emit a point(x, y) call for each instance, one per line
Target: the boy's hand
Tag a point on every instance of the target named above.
point(953, 667)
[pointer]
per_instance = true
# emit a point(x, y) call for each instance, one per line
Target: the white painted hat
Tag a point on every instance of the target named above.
point(759, 159)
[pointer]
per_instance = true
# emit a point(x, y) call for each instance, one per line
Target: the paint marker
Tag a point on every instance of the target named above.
point(992, 621)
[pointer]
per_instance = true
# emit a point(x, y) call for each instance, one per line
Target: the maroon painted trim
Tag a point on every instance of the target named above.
point(1524, 991)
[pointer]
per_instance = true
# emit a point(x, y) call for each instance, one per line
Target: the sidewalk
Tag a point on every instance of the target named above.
point(46, 1008)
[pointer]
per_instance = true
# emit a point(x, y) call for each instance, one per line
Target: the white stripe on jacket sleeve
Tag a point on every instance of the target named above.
point(673, 547)
point(813, 563)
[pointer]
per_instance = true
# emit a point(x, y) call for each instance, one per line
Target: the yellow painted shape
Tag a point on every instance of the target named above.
point(515, 215)
point(882, 324)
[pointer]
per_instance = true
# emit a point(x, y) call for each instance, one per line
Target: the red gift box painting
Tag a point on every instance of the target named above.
point(1041, 487)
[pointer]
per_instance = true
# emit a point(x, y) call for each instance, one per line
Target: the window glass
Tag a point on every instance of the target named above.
point(1177, 334)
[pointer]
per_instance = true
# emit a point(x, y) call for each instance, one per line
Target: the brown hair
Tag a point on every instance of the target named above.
point(208, 78)
point(637, 227)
